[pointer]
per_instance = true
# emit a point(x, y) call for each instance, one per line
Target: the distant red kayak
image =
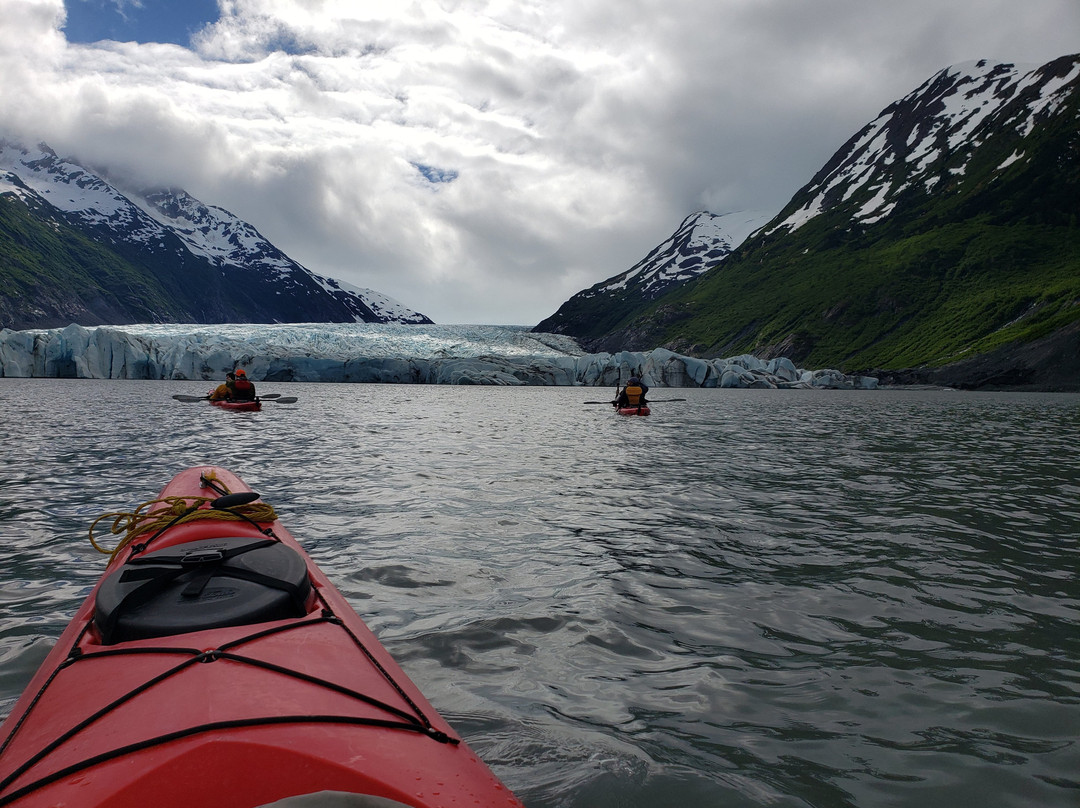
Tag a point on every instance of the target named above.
point(642, 410)
point(215, 665)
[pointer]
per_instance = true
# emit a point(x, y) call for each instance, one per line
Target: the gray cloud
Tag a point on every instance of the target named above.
point(483, 161)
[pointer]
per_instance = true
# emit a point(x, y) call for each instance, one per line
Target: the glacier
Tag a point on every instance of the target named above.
point(391, 353)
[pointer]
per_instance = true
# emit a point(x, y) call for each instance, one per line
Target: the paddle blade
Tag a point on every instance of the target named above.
point(179, 397)
point(283, 400)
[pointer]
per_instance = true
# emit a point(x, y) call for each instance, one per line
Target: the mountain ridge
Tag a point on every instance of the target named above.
point(943, 232)
point(182, 260)
point(702, 240)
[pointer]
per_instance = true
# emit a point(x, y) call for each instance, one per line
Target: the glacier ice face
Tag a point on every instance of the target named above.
point(388, 353)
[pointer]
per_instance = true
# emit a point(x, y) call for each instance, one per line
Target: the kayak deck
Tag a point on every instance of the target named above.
point(291, 698)
point(635, 410)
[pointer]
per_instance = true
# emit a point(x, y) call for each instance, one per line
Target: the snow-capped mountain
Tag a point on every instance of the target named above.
point(700, 242)
point(925, 142)
point(226, 240)
point(942, 234)
point(186, 260)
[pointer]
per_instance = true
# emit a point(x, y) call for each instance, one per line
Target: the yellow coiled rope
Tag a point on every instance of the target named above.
point(147, 519)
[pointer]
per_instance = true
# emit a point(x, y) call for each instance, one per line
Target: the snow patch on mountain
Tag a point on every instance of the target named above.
point(702, 240)
point(907, 144)
point(152, 218)
point(72, 189)
point(1050, 97)
point(385, 307)
point(8, 186)
point(213, 232)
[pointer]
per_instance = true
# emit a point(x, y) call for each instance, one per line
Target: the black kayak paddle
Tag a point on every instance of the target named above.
point(273, 398)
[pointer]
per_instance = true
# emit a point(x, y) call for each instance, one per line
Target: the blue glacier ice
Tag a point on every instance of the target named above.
point(389, 353)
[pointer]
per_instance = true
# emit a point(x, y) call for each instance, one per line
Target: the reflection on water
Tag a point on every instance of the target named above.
point(750, 598)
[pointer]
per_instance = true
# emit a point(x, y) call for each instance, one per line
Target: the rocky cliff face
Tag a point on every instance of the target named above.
point(78, 249)
point(1049, 364)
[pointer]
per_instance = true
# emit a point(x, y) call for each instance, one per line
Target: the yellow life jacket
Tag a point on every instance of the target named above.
point(634, 395)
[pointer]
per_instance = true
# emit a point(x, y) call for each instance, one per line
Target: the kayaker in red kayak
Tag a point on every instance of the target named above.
point(633, 394)
point(242, 389)
point(236, 387)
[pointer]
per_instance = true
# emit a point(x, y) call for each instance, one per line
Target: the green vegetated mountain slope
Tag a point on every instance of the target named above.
point(55, 275)
point(924, 298)
point(946, 229)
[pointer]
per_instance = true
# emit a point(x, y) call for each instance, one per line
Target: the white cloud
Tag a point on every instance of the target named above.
point(575, 136)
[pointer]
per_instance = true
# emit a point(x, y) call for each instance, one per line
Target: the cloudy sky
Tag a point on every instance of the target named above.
point(483, 160)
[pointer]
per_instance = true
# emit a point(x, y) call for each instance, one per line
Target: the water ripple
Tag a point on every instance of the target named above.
point(783, 598)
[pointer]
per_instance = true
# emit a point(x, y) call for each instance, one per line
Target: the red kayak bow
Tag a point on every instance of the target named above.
point(215, 665)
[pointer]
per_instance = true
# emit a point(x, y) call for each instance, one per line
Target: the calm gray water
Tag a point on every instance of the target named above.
point(751, 598)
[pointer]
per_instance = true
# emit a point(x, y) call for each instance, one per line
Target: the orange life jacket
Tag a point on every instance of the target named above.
point(634, 394)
